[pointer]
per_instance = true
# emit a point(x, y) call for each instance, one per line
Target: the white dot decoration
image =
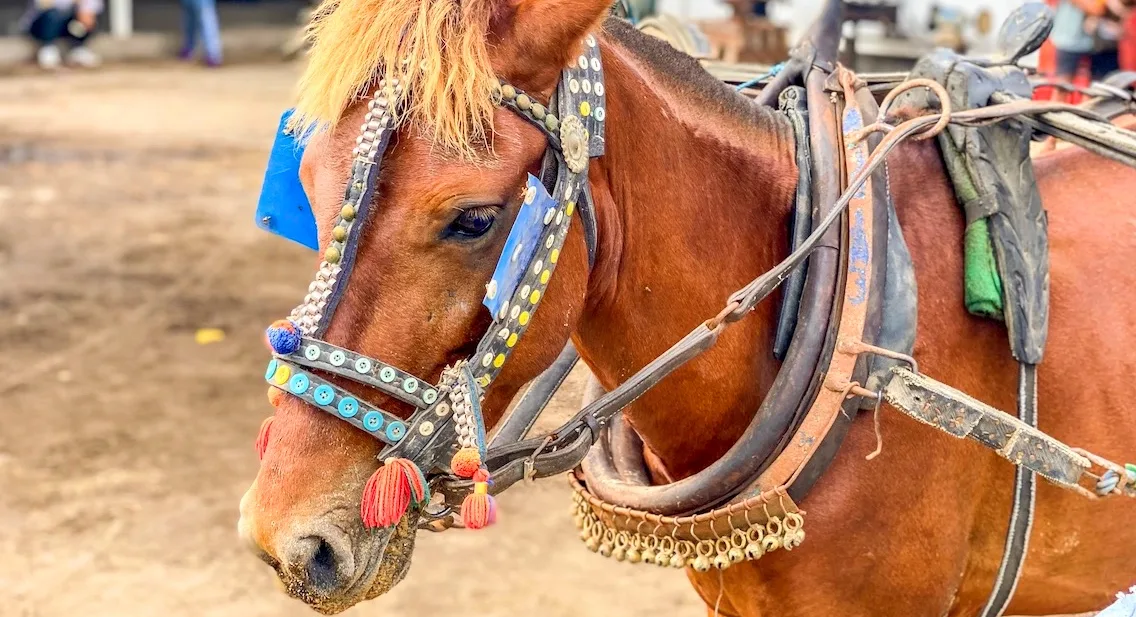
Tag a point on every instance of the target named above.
point(504, 311)
point(312, 352)
point(568, 191)
point(491, 289)
point(574, 86)
point(595, 64)
point(599, 88)
point(530, 194)
point(363, 365)
point(487, 359)
point(517, 252)
point(538, 266)
point(548, 215)
point(548, 242)
point(338, 358)
point(584, 62)
point(503, 333)
point(591, 40)
point(525, 291)
point(587, 86)
point(515, 312)
point(600, 114)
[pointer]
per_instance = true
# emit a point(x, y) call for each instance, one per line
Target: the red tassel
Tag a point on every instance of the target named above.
point(390, 491)
point(479, 509)
point(275, 396)
point(262, 438)
point(466, 462)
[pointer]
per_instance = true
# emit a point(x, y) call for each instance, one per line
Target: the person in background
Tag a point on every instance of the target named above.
point(1088, 29)
point(50, 22)
point(199, 22)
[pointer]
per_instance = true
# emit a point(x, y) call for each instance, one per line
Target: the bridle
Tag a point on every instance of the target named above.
point(444, 437)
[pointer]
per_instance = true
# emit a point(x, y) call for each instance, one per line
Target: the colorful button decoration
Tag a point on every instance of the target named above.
point(338, 358)
point(299, 384)
point(373, 421)
point(324, 395)
point(410, 385)
point(280, 377)
point(363, 365)
point(387, 374)
point(312, 352)
point(271, 369)
point(396, 430)
point(348, 407)
point(429, 396)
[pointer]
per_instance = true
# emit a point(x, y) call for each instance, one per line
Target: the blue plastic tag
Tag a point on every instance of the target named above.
point(522, 243)
point(283, 208)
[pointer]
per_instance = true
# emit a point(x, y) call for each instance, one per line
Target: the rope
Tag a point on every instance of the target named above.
point(774, 71)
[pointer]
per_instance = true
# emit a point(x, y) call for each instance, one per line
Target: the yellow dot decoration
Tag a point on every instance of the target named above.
point(524, 318)
point(499, 361)
point(570, 209)
point(535, 297)
point(585, 108)
point(512, 342)
point(554, 255)
point(280, 377)
point(483, 381)
point(544, 276)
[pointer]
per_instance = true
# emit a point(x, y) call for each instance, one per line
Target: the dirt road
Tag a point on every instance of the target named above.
point(126, 204)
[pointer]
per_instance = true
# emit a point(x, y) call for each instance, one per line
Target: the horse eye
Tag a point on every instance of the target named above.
point(474, 222)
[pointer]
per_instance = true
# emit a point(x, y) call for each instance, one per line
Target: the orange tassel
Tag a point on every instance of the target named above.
point(262, 437)
point(466, 462)
point(275, 396)
point(479, 509)
point(390, 491)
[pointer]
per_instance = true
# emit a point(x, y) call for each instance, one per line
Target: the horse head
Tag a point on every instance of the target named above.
point(452, 173)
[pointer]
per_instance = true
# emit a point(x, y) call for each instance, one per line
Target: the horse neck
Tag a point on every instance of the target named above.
point(692, 203)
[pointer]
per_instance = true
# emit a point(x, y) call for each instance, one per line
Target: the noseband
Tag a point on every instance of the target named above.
point(445, 435)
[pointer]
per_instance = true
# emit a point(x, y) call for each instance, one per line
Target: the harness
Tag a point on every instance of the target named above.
point(845, 333)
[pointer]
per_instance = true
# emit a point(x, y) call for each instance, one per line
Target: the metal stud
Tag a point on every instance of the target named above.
point(509, 92)
point(347, 213)
point(524, 103)
point(538, 111)
point(362, 365)
point(552, 123)
point(339, 233)
point(332, 255)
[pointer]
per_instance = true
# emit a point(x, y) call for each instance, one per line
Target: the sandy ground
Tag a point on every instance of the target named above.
point(126, 204)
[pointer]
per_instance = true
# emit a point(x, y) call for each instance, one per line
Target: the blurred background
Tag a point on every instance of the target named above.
point(135, 287)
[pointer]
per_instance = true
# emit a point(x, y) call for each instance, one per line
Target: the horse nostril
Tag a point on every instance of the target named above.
point(323, 568)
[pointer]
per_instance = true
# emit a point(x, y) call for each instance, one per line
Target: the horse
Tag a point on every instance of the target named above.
point(691, 200)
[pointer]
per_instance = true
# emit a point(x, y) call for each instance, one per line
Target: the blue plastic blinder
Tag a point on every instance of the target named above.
point(524, 238)
point(283, 208)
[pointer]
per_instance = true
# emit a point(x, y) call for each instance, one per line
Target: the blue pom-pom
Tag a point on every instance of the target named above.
point(284, 337)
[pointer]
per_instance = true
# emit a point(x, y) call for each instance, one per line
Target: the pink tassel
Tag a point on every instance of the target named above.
point(390, 492)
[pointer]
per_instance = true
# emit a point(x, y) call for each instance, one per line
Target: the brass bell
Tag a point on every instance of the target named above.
point(605, 549)
point(770, 543)
point(619, 554)
point(735, 555)
point(662, 558)
point(592, 543)
point(633, 555)
point(721, 561)
point(648, 555)
point(677, 561)
point(701, 564)
point(753, 551)
point(794, 538)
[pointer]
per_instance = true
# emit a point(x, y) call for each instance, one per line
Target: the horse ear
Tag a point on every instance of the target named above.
point(538, 38)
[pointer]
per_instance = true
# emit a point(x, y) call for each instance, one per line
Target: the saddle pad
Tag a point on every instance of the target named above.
point(283, 208)
point(537, 211)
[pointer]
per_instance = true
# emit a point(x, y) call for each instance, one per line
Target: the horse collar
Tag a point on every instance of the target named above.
point(445, 434)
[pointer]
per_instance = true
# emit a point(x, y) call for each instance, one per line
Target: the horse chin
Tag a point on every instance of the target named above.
point(386, 557)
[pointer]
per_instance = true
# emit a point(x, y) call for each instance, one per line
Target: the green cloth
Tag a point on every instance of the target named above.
point(983, 285)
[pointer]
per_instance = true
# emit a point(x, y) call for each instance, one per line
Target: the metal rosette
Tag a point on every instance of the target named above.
point(576, 131)
point(743, 531)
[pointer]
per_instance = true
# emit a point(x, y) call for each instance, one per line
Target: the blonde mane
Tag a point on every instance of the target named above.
point(436, 48)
